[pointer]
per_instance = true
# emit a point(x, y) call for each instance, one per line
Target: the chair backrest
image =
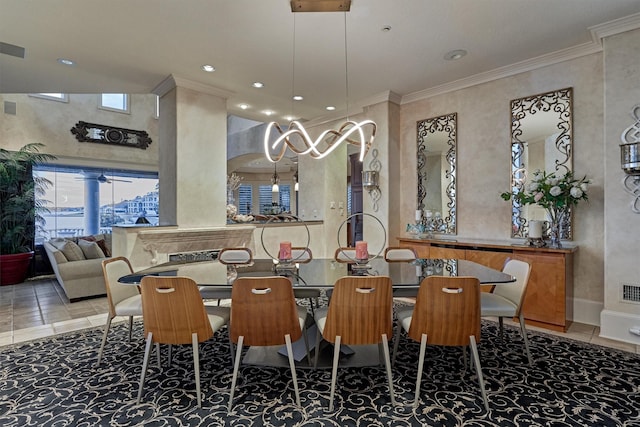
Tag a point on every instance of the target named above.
point(235, 256)
point(301, 255)
point(263, 311)
point(447, 310)
point(113, 269)
point(398, 254)
point(172, 310)
point(345, 255)
point(360, 310)
point(515, 292)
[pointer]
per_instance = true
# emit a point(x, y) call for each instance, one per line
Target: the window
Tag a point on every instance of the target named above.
point(115, 102)
point(245, 199)
point(60, 97)
point(123, 197)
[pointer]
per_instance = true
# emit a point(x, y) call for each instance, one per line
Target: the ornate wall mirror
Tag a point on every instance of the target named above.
point(437, 172)
point(541, 139)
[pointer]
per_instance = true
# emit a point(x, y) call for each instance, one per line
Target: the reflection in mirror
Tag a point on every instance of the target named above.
point(541, 139)
point(437, 172)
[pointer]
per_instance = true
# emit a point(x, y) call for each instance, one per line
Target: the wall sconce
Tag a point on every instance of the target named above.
point(371, 180)
point(630, 158)
point(296, 186)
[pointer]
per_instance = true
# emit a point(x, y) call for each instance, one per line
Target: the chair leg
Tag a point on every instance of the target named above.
point(526, 339)
point(423, 347)
point(501, 326)
point(145, 363)
point(311, 304)
point(158, 354)
point(305, 335)
point(236, 365)
point(130, 327)
point(196, 366)
point(169, 355)
point(476, 360)
point(292, 365)
point(104, 339)
point(231, 350)
point(317, 348)
point(387, 362)
point(334, 370)
point(396, 341)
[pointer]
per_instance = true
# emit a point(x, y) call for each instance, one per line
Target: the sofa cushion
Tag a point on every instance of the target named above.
point(59, 257)
point(91, 250)
point(72, 251)
point(101, 241)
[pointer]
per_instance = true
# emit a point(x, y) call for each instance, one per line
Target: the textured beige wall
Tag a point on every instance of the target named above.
point(484, 157)
point(622, 231)
point(50, 122)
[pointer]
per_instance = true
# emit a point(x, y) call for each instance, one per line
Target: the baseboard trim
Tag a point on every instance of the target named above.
point(615, 325)
point(586, 311)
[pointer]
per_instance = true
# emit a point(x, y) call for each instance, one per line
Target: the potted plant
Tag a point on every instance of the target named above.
point(20, 209)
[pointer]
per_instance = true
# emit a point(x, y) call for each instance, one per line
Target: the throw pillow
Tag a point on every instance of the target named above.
point(91, 250)
point(101, 241)
point(72, 251)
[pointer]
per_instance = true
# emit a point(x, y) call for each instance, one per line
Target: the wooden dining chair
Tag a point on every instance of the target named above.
point(264, 313)
point(123, 300)
point(303, 255)
point(507, 300)
point(346, 255)
point(359, 313)
point(399, 254)
point(174, 314)
point(446, 313)
point(231, 257)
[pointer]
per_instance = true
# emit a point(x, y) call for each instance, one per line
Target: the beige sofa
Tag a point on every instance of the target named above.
point(77, 263)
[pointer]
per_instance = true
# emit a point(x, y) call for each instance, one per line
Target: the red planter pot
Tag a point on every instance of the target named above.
point(14, 268)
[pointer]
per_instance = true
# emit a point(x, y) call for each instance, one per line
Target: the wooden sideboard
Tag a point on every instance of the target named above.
point(550, 282)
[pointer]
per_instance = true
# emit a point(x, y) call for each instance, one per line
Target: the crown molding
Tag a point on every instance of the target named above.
point(598, 32)
point(617, 26)
point(172, 82)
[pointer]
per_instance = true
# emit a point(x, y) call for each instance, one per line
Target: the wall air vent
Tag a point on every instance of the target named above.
point(630, 293)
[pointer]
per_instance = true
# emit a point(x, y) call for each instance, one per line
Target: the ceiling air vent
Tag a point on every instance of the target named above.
point(12, 50)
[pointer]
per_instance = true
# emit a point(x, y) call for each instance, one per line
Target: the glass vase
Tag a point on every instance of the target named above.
point(556, 216)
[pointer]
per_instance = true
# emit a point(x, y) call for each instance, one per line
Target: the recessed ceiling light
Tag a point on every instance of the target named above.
point(297, 98)
point(257, 84)
point(386, 28)
point(455, 54)
point(268, 112)
point(208, 68)
point(244, 106)
point(290, 118)
point(66, 61)
point(330, 108)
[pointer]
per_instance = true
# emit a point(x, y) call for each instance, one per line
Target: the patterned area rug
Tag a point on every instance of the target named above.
point(53, 382)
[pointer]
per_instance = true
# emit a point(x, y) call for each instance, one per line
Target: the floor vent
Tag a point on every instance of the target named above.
point(631, 293)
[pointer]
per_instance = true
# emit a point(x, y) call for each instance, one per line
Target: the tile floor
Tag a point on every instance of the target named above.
point(39, 308)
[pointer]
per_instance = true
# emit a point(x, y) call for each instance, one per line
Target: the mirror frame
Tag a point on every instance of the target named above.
point(561, 102)
point(446, 123)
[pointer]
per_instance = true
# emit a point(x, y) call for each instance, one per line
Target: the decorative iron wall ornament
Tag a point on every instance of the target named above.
point(556, 108)
point(630, 158)
point(102, 134)
point(438, 131)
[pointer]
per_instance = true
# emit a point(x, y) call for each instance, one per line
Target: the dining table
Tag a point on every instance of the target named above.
point(216, 278)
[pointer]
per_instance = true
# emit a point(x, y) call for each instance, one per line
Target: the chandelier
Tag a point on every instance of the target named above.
point(296, 138)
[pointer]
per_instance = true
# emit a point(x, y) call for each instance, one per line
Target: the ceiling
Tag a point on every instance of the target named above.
point(124, 46)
